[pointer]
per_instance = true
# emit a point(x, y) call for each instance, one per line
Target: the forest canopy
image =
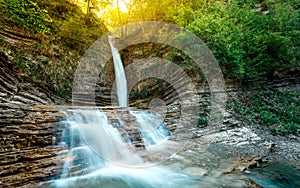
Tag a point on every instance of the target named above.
point(250, 39)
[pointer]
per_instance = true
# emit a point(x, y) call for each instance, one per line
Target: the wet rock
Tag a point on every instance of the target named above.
point(237, 137)
point(234, 181)
point(195, 171)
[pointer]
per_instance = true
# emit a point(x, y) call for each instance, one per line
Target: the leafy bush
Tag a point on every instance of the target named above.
point(28, 14)
point(279, 110)
point(248, 43)
point(78, 32)
point(53, 59)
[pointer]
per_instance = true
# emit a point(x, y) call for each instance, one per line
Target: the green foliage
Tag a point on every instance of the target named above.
point(204, 112)
point(202, 121)
point(75, 29)
point(28, 14)
point(250, 39)
point(57, 73)
point(21, 64)
point(182, 15)
point(140, 94)
point(279, 110)
point(180, 58)
point(247, 43)
point(78, 32)
point(185, 62)
point(64, 38)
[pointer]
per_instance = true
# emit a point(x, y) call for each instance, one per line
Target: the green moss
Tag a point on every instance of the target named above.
point(204, 112)
point(278, 110)
point(27, 14)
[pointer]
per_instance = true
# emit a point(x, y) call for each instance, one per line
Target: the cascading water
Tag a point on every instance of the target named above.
point(98, 156)
point(80, 158)
point(152, 127)
point(120, 77)
point(85, 158)
point(92, 128)
point(111, 167)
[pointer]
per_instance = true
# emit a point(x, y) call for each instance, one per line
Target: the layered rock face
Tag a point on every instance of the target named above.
point(140, 60)
point(27, 131)
point(30, 149)
point(30, 132)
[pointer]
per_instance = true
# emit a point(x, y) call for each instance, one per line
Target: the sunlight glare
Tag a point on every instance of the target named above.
point(123, 5)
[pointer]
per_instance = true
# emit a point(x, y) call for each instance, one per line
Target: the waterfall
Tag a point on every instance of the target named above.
point(152, 127)
point(80, 158)
point(91, 136)
point(120, 77)
point(98, 154)
point(93, 143)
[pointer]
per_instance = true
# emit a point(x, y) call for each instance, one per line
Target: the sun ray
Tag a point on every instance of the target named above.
point(123, 5)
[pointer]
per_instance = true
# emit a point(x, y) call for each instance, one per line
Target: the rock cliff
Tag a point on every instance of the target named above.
point(26, 152)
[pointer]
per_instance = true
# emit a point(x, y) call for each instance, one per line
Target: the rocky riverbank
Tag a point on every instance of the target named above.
point(30, 133)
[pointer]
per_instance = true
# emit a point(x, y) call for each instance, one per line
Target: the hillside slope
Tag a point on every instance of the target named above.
point(46, 39)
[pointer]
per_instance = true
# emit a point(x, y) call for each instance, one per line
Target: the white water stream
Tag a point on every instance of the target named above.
point(120, 77)
point(98, 156)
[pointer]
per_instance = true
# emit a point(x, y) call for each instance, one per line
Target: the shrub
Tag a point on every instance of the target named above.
point(248, 44)
point(278, 110)
point(28, 14)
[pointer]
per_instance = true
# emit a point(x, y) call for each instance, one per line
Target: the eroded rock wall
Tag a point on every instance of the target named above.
point(27, 153)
